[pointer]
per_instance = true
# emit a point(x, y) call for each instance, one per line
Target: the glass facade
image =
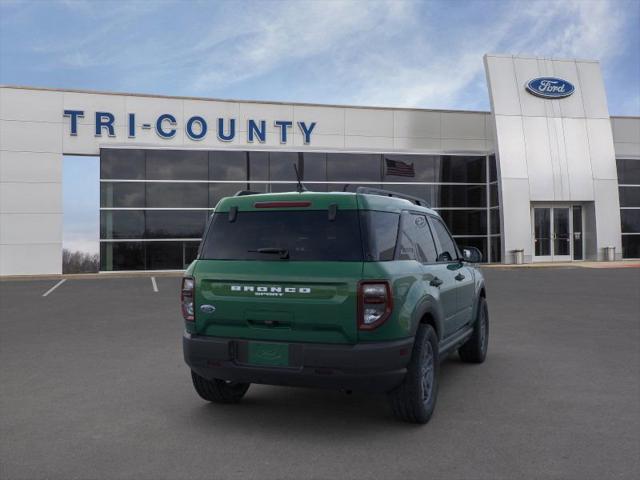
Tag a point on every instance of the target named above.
point(154, 204)
point(629, 191)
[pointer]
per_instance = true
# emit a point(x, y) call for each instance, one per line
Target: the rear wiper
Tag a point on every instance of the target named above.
point(283, 252)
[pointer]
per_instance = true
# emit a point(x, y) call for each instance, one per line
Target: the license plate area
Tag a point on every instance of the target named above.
point(266, 354)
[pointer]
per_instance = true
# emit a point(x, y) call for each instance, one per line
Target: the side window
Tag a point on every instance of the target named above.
point(416, 242)
point(447, 251)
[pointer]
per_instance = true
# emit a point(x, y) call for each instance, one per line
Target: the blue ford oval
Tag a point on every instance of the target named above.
point(550, 87)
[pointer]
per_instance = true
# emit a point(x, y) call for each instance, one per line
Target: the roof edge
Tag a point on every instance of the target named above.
point(230, 100)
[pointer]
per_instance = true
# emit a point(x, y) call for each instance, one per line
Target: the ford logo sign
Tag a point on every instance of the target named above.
point(550, 87)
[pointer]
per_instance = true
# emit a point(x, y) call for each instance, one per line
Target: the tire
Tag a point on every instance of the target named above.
point(219, 391)
point(474, 350)
point(415, 399)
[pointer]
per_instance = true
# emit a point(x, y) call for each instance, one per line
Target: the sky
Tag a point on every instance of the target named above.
point(385, 53)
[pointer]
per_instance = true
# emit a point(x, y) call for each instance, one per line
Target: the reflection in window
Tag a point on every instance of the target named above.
point(359, 167)
point(177, 165)
point(443, 196)
point(124, 164)
point(122, 256)
point(461, 169)
point(121, 224)
point(465, 222)
point(629, 196)
point(177, 195)
point(175, 223)
point(630, 221)
point(119, 195)
point(224, 165)
point(631, 246)
point(628, 171)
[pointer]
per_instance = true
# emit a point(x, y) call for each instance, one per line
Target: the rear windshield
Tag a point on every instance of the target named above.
point(284, 235)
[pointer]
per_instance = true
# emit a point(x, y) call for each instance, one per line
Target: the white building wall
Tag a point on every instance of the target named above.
point(30, 182)
point(557, 150)
point(34, 136)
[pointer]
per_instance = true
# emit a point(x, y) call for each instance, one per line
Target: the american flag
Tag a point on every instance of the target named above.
point(400, 169)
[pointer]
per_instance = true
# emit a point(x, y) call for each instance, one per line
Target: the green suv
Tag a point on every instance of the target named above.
point(363, 291)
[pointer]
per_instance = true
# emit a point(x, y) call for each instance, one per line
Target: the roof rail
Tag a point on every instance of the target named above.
point(242, 193)
point(388, 193)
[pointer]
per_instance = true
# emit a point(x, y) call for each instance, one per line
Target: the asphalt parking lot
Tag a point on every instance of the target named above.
point(93, 385)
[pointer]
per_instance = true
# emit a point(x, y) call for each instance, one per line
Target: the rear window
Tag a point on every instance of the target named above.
point(306, 235)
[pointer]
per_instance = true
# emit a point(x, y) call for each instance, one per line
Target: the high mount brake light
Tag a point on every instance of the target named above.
point(281, 204)
point(375, 303)
point(186, 298)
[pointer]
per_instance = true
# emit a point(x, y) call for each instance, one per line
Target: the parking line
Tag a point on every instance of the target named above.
point(54, 287)
point(154, 284)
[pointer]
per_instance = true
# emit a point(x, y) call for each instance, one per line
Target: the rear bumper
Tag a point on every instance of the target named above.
point(369, 367)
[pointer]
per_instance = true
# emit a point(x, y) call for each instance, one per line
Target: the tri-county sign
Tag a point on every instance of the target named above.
point(550, 87)
point(196, 127)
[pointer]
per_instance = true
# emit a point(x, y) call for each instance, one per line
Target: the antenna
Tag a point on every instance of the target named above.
point(300, 188)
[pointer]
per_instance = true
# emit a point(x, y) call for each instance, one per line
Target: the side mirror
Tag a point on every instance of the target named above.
point(471, 255)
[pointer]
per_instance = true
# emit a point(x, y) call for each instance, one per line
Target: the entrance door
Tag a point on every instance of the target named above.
point(557, 233)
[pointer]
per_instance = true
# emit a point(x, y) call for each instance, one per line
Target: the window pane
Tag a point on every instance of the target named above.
point(224, 165)
point(122, 256)
point(631, 246)
point(479, 242)
point(446, 248)
point(629, 196)
point(305, 235)
point(164, 255)
point(628, 171)
point(177, 165)
point(380, 230)
point(177, 195)
point(175, 223)
point(128, 195)
point(281, 165)
point(493, 192)
point(122, 164)
point(494, 216)
point(347, 167)
point(496, 252)
point(465, 222)
point(190, 252)
point(461, 169)
point(315, 167)
point(458, 195)
point(630, 221)
point(121, 224)
point(493, 169)
point(259, 166)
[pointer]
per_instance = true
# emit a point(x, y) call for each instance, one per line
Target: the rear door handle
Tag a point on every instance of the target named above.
point(459, 277)
point(436, 282)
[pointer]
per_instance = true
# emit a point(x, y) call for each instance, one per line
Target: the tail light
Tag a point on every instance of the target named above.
point(186, 298)
point(375, 303)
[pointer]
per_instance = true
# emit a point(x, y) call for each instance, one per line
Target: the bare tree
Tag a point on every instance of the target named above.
point(79, 262)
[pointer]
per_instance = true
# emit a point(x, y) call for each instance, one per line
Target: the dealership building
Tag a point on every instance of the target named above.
point(546, 175)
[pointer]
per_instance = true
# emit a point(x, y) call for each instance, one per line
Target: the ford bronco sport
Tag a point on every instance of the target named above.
point(363, 291)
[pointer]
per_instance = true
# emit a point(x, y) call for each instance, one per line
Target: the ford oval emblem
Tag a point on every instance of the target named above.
point(550, 87)
point(207, 308)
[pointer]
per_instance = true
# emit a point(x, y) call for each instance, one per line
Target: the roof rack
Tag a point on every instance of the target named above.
point(388, 193)
point(242, 193)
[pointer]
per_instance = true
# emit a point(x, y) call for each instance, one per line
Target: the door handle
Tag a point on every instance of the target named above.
point(436, 282)
point(459, 277)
